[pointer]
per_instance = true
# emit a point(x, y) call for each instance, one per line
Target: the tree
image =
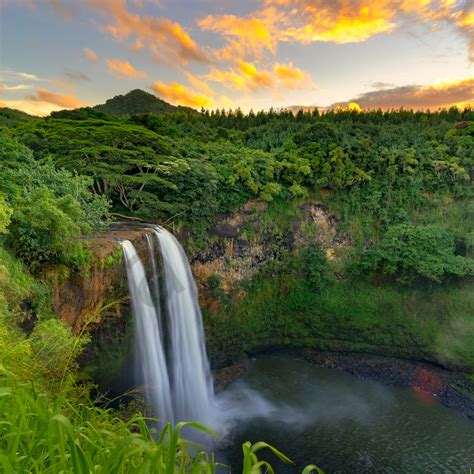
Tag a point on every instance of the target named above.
point(409, 252)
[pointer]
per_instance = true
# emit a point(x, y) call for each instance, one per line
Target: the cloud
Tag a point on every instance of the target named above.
point(66, 9)
point(165, 39)
point(247, 78)
point(15, 87)
point(178, 94)
point(61, 100)
point(90, 55)
point(61, 84)
point(246, 36)
point(244, 77)
point(124, 70)
point(290, 77)
point(335, 21)
point(441, 95)
point(381, 85)
point(76, 75)
point(198, 84)
point(25, 75)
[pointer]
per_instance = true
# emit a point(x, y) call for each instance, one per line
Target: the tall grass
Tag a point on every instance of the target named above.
point(65, 434)
point(40, 435)
point(49, 424)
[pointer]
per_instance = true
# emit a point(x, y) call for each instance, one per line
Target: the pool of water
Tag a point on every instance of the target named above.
point(341, 423)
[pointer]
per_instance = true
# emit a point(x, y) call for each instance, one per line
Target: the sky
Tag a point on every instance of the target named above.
point(57, 54)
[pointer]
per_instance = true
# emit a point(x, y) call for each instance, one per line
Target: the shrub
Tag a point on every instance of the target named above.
point(409, 252)
point(46, 228)
point(318, 272)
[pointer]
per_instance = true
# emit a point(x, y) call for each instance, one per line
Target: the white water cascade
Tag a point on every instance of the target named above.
point(173, 363)
point(151, 360)
point(191, 381)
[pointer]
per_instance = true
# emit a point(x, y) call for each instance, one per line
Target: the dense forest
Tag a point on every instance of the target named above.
point(399, 183)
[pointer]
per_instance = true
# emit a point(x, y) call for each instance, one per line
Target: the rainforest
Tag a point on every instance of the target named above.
point(336, 244)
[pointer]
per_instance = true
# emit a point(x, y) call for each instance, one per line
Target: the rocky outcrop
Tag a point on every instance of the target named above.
point(242, 242)
point(83, 299)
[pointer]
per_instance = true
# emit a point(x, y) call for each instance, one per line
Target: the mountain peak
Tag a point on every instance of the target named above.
point(135, 102)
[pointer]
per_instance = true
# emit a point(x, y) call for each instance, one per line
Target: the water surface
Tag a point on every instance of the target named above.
point(341, 423)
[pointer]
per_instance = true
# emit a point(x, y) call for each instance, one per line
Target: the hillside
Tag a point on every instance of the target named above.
point(135, 102)
point(9, 117)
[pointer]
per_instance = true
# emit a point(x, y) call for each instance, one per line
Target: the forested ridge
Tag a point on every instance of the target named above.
point(399, 184)
point(374, 169)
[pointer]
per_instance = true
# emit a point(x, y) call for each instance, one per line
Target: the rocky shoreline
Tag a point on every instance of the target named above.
point(429, 381)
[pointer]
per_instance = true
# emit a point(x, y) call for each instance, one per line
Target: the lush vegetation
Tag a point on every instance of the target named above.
point(50, 425)
point(397, 165)
point(398, 183)
point(135, 102)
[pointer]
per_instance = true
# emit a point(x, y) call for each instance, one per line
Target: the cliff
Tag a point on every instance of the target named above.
point(272, 275)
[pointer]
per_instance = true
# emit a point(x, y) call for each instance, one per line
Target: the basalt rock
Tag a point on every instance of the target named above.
point(243, 242)
point(83, 299)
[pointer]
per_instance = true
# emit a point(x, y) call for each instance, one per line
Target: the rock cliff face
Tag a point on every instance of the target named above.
point(82, 300)
point(241, 243)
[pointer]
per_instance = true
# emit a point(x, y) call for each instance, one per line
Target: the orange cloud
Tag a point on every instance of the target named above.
point(164, 38)
point(90, 55)
point(55, 98)
point(180, 95)
point(61, 84)
point(255, 79)
point(336, 21)
point(199, 84)
point(291, 77)
point(252, 35)
point(246, 77)
point(124, 70)
point(441, 95)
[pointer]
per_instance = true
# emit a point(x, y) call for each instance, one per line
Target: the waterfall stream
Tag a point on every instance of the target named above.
point(172, 363)
point(151, 360)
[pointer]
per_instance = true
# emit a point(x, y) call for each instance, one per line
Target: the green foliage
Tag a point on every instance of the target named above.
point(20, 293)
point(409, 252)
point(135, 102)
point(280, 308)
point(11, 117)
point(46, 228)
point(128, 164)
point(318, 272)
point(50, 425)
point(160, 165)
point(63, 183)
point(54, 346)
point(52, 208)
point(5, 214)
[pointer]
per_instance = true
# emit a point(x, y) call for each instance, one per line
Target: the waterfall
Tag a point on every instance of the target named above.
point(192, 390)
point(150, 355)
point(155, 289)
point(178, 380)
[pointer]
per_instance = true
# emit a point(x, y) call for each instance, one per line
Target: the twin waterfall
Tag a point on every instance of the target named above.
point(171, 355)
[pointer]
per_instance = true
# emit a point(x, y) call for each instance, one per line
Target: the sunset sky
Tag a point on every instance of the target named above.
point(57, 54)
